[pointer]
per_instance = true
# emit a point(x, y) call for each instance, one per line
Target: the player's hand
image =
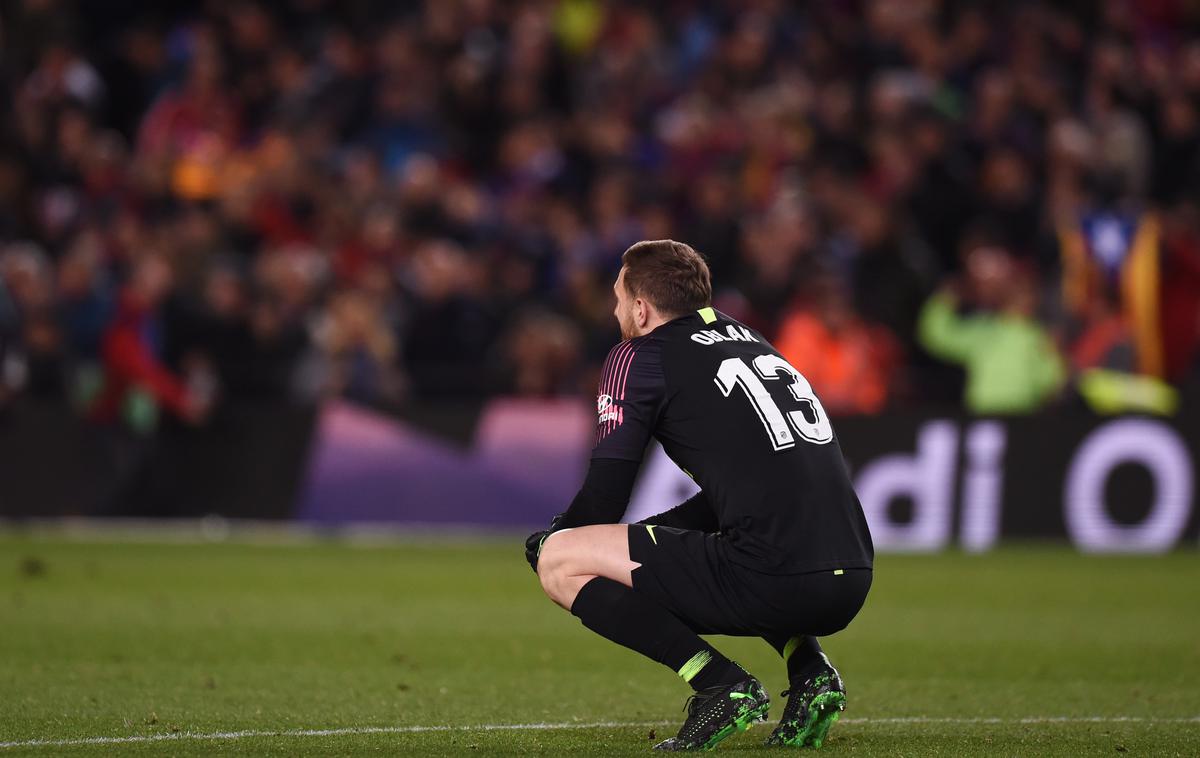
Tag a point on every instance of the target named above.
point(533, 547)
point(533, 543)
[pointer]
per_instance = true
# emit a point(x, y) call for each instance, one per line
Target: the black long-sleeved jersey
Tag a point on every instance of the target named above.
point(742, 422)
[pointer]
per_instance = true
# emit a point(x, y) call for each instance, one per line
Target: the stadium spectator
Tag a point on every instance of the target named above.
point(1012, 364)
point(134, 376)
point(8, 323)
point(848, 362)
point(1181, 290)
point(356, 351)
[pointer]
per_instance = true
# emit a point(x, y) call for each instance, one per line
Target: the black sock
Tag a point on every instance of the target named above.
point(617, 613)
point(801, 653)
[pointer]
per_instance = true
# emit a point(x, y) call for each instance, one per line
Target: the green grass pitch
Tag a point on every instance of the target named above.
point(449, 648)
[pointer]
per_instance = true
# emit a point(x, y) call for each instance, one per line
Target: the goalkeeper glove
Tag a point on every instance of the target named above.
point(534, 542)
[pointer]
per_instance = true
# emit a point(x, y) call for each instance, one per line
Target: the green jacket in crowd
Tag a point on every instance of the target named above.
point(1012, 365)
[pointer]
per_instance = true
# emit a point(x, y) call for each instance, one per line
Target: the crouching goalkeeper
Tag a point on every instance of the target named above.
point(775, 544)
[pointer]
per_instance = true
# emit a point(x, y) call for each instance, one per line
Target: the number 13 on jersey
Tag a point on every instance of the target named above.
point(810, 421)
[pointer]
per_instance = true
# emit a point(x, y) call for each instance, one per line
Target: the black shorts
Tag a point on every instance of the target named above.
point(686, 572)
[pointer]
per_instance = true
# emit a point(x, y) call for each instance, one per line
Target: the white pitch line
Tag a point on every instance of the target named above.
point(336, 732)
point(543, 726)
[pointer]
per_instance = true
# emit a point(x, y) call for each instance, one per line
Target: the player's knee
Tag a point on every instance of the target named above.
point(552, 568)
point(548, 576)
point(562, 587)
point(558, 584)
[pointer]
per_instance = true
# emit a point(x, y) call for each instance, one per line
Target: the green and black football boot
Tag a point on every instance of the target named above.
point(718, 712)
point(812, 708)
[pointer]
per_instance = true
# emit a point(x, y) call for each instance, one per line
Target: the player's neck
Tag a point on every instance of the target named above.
point(653, 321)
point(649, 327)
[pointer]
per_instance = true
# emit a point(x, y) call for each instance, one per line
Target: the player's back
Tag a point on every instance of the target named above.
point(749, 429)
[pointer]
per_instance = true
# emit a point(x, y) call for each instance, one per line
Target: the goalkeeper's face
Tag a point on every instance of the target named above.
point(626, 310)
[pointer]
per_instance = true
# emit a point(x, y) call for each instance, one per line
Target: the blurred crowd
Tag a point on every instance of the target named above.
point(921, 202)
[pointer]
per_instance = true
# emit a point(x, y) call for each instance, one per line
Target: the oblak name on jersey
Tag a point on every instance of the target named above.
point(733, 333)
